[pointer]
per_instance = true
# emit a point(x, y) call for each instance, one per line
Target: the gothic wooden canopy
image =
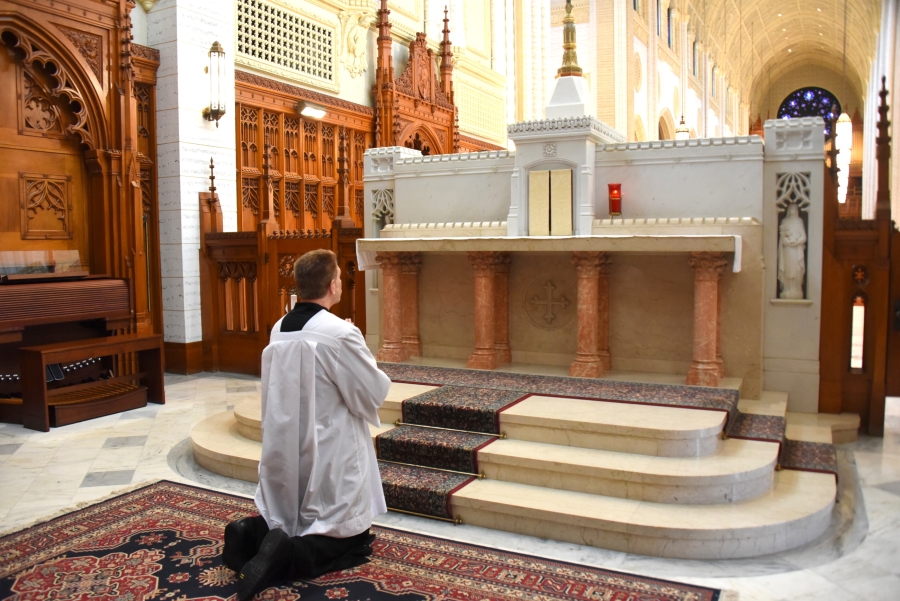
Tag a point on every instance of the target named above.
point(416, 109)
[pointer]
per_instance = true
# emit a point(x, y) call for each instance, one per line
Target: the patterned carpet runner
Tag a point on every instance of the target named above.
point(164, 541)
point(442, 449)
point(472, 400)
point(460, 408)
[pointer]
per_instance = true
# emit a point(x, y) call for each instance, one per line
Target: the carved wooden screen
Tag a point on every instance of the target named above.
point(303, 163)
point(43, 181)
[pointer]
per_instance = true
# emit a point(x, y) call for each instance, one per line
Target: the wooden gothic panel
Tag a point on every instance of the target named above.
point(46, 207)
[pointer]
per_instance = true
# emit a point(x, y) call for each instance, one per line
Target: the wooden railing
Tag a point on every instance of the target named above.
point(246, 281)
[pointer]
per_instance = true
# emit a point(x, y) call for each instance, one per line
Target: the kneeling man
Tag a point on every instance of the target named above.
point(319, 486)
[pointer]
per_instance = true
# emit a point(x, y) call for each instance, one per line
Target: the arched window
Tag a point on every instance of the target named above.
point(659, 17)
point(858, 332)
point(810, 102)
point(712, 82)
point(694, 58)
point(636, 4)
point(670, 28)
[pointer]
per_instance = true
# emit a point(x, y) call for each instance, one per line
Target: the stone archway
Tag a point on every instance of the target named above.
point(666, 126)
point(639, 134)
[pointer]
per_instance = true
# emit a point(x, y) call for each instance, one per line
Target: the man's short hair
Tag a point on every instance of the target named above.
point(314, 272)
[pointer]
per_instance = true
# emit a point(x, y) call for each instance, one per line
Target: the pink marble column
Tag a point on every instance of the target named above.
point(410, 265)
point(708, 268)
point(603, 310)
point(484, 356)
point(501, 309)
point(588, 363)
point(719, 362)
point(392, 337)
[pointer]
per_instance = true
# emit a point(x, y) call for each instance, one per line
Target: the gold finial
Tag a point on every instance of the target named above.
point(570, 66)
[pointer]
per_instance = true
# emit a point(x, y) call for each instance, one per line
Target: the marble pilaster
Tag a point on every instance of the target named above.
point(410, 266)
point(501, 309)
point(708, 269)
point(485, 266)
point(392, 348)
point(183, 31)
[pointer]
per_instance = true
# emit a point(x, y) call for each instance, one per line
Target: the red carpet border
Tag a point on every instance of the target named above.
point(164, 541)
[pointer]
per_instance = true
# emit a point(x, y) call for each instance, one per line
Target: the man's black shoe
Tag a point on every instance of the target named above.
point(268, 567)
point(242, 541)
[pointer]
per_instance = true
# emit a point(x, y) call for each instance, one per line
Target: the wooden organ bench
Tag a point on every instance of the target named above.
point(68, 325)
point(42, 408)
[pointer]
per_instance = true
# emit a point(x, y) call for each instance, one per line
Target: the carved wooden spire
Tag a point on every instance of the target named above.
point(383, 89)
point(343, 219)
point(447, 61)
point(883, 155)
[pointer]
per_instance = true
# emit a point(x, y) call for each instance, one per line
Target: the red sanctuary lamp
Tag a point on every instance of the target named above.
point(615, 200)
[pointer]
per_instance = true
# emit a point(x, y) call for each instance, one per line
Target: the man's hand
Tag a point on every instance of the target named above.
point(348, 320)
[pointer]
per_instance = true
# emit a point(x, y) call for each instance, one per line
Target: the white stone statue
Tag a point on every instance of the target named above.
point(356, 45)
point(791, 254)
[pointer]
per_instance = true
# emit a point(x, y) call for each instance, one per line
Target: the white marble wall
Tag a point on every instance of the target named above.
point(692, 178)
point(791, 331)
point(444, 188)
point(183, 31)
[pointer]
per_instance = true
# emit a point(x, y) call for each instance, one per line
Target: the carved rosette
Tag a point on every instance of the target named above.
point(88, 46)
point(286, 265)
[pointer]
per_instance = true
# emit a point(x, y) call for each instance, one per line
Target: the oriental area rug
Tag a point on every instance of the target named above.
point(164, 541)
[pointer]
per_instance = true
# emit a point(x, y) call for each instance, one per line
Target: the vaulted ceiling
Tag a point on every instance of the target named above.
point(759, 41)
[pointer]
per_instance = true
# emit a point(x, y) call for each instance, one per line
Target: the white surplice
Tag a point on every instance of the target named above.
point(318, 473)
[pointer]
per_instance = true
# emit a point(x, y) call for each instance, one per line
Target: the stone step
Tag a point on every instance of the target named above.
point(220, 447)
point(623, 427)
point(822, 427)
point(791, 513)
point(742, 469)
point(796, 511)
point(249, 413)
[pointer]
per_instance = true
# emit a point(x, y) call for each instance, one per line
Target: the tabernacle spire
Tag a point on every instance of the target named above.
point(570, 66)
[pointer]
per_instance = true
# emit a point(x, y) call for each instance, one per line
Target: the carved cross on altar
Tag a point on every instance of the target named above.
point(549, 303)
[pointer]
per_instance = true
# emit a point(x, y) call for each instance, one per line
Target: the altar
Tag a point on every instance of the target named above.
point(518, 255)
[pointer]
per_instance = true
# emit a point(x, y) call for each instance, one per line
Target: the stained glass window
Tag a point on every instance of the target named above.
point(810, 102)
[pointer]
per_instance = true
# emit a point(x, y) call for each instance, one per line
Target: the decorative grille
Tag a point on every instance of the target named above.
point(279, 41)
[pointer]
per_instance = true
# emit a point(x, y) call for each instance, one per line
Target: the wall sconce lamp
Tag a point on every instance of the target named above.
point(615, 200)
point(216, 71)
point(310, 110)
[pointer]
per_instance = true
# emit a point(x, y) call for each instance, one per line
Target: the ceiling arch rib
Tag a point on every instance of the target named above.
point(751, 42)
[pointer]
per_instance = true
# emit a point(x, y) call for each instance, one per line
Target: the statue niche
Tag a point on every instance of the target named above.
point(792, 202)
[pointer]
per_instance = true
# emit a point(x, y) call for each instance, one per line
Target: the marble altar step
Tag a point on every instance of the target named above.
point(796, 511)
point(610, 426)
point(621, 427)
point(742, 469)
point(793, 511)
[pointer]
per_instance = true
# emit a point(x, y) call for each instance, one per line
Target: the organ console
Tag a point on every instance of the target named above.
point(40, 306)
